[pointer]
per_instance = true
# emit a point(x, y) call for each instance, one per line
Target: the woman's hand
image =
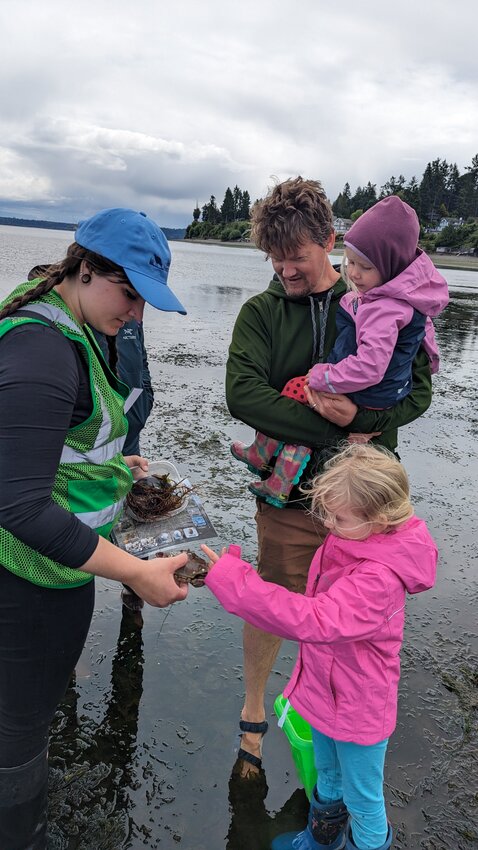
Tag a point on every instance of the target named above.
point(138, 465)
point(152, 580)
point(334, 407)
point(155, 582)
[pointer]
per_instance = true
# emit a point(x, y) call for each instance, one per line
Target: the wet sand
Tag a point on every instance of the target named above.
point(157, 774)
point(143, 745)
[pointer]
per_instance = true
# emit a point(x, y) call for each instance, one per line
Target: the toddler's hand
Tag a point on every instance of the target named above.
point(211, 554)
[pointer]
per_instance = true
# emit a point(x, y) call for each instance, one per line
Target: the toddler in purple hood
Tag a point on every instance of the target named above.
point(349, 626)
point(381, 324)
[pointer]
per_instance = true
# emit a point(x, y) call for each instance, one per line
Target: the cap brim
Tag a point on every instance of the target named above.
point(157, 294)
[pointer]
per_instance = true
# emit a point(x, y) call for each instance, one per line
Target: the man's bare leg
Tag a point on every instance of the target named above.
point(260, 652)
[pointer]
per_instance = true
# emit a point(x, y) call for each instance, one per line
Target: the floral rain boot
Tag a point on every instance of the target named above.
point(259, 454)
point(291, 462)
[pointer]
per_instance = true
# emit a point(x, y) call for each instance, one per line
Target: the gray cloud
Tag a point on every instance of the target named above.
point(108, 104)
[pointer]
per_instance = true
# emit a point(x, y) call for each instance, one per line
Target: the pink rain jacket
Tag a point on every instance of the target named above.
point(382, 312)
point(349, 625)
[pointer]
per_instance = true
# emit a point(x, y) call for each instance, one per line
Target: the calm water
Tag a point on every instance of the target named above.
point(144, 742)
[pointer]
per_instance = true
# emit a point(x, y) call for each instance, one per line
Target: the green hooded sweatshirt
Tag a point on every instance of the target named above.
point(277, 337)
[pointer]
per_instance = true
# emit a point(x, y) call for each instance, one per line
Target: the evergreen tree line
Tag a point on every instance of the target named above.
point(442, 193)
point(229, 222)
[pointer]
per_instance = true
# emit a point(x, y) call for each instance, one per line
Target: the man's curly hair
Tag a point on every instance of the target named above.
point(292, 213)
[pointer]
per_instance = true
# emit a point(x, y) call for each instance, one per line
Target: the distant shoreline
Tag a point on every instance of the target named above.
point(220, 243)
point(441, 261)
point(9, 221)
point(456, 262)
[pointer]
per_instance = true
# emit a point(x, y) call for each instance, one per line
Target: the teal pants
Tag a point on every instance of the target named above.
point(354, 773)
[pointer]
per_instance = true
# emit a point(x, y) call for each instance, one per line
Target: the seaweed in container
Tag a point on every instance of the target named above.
point(156, 496)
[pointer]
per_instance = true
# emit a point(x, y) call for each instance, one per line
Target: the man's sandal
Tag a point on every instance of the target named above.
point(256, 729)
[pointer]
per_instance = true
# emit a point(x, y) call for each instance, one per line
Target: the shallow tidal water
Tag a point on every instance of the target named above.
point(144, 742)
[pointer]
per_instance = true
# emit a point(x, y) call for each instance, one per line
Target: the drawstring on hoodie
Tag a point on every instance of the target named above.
point(324, 314)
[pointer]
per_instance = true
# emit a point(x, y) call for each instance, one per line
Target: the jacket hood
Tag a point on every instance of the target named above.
point(420, 285)
point(386, 235)
point(411, 555)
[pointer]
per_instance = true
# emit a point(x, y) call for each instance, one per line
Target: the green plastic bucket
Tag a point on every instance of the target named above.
point(299, 736)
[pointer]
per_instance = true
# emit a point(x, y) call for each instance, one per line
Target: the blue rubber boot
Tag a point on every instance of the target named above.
point(324, 830)
point(349, 844)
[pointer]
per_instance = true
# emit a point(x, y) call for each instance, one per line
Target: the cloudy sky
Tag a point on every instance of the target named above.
point(157, 104)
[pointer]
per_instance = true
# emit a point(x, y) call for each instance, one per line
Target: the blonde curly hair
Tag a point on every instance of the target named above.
point(367, 479)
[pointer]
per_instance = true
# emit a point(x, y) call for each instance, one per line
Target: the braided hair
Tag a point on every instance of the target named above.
point(55, 273)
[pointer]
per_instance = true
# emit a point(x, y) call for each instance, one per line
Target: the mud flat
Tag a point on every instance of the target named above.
point(144, 743)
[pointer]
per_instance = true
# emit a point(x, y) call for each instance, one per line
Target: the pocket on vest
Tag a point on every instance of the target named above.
point(88, 496)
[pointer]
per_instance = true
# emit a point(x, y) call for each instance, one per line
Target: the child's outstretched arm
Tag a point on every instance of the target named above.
point(333, 616)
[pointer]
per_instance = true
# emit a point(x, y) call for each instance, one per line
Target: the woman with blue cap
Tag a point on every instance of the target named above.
point(64, 481)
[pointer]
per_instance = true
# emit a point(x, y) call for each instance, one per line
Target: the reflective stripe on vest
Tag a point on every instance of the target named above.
point(102, 451)
point(55, 314)
point(96, 456)
point(92, 479)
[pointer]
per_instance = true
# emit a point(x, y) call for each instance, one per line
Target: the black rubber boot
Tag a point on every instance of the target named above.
point(23, 805)
point(325, 829)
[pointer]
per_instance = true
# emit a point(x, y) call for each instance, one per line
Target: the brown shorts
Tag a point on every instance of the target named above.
point(288, 539)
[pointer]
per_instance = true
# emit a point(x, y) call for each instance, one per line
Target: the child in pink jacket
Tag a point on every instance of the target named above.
point(349, 626)
point(381, 324)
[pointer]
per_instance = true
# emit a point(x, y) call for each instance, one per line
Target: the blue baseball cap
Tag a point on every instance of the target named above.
point(136, 243)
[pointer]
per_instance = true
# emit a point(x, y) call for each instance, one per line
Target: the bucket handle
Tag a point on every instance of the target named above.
point(284, 714)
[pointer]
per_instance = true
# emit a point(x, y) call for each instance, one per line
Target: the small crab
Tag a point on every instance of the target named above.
point(193, 572)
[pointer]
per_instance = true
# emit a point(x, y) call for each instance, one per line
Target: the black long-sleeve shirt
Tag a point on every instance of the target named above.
point(45, 390)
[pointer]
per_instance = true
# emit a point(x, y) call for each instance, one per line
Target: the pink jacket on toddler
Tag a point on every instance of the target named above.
point(349, 625)
point(379, 315)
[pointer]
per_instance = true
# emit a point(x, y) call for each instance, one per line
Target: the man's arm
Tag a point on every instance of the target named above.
point(252, 399)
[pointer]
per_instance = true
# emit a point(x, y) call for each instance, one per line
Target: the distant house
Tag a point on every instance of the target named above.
point(341, 225)
point(449, 222)
point(445, 222)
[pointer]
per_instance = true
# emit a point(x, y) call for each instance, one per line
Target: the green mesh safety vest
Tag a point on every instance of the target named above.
point(92, 479)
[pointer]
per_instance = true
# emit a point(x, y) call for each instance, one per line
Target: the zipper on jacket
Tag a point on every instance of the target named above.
point(323, 317)
point(321, 331)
